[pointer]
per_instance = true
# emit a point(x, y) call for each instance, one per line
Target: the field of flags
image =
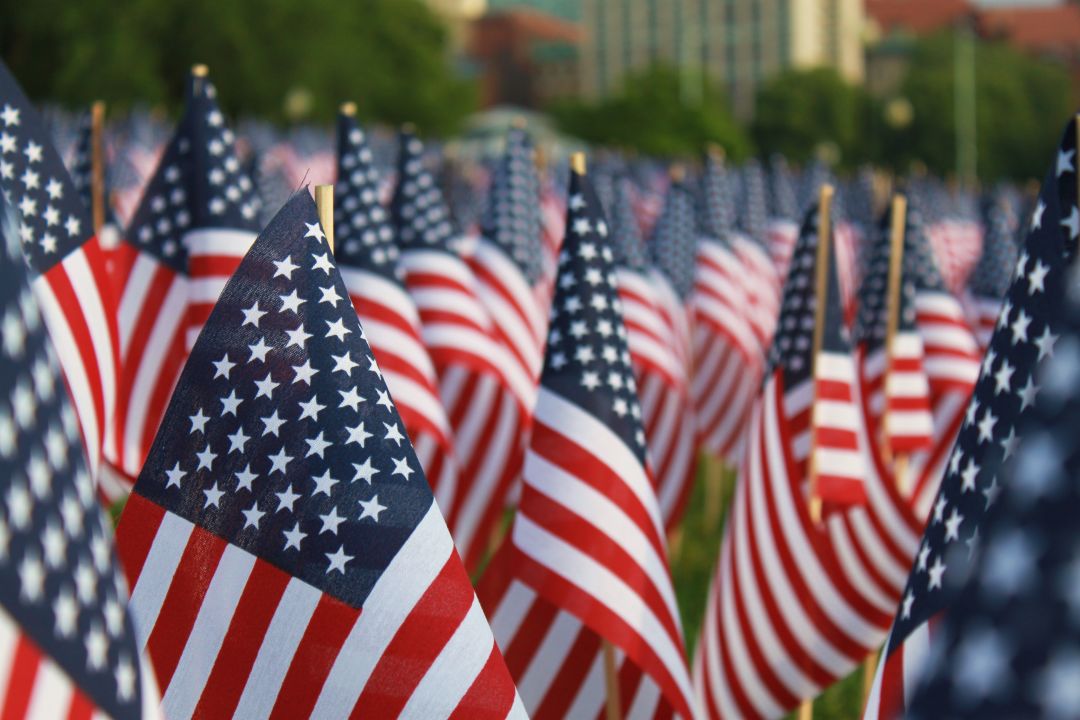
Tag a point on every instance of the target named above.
point(425, 445)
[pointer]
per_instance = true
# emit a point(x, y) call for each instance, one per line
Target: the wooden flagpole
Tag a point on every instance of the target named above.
point(324, 201)
point(97, 166)
point(820, 289)
point(896, 264)
point(611, 675)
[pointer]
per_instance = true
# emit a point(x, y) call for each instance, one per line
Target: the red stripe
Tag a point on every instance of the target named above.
point(418, 641)
point(212, 266)
point(326, 632)
point(491, 695)
point(892, 685)
point(167, 377)
point(247, 629)
point(182, 602)
point(570, 676)
point(135, 534)
point(21, 680)
point(82, 708)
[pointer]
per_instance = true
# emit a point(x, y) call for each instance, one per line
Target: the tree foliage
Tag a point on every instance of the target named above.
point(651, 115)
point(803, 112)
point(389, 55)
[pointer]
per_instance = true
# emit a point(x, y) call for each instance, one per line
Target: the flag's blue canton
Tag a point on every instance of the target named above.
point(782, 189)
point(716, 200)
point(363, 235)
point(82, 169)
point(753, 211)
point(58, 575)
point(992, 274)
point(281, 436)
point(587, 360)
point(871, 322)
point(627, 242)
point(674, 241)
point(512, 216)
point(199, 183)
point(419, 213)
point(53, 219)
point(793, 345)
point(1027, 331)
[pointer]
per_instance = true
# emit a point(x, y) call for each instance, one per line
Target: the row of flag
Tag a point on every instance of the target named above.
point(319, 428)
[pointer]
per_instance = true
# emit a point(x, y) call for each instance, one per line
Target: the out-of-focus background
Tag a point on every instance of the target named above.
point(847, 81)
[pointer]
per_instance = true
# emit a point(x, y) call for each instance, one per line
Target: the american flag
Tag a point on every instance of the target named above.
point(196, 220)
point(1007, 645)
point(67, 648)
point(586, 559)
point(507, 257)
point(990, 279)
point(795, 605)
point(484, 389)
point(662, 376)
point(672, 247)
point(82, 175)
point(895, 385)
point(728, 360)
point(70, 277)
point(1027, 331)
point(368, 254)
point(951, 357)
point(286, 553)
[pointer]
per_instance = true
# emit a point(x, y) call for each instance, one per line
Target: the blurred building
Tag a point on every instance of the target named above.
point(737, 43)
point(524, 57)
point(458, 14)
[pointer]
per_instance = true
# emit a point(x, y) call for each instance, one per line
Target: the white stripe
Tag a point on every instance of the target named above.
point(907, 384)
point(206, 290)
point(497, 450)
point(208, 633)
point(394, 341)
point(448, 299)
point(218, 242)
point(592, 693)
point(869, 539)
point(839, 414)
point(9, 636)
point(916, 650)
point(596, 438)
point(646, 700)
point(840, 463)
point(914, 423)
point(605, 516)
point(148, 375)
point(454, 668)
point(93, 310)
point(719, 687)
point(512, 611)
point(498, 264)
point(948, 336)
point(75, 371)
point(457, 338)
point(157, 574)
point(283, 635)
point(548, 658)
point(834, 366)
point(408, 394)
point(370, 287)
point(607, 588)
point(403, 582)
point(438, 263)
point(134, 297)
point(962, 370)
point(857, 573)
point(52, 694)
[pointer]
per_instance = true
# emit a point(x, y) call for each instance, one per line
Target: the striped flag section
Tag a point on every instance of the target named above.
point(587, 539)
point(796, 605)
point(195, 222)
point(839, 465)
point(298, 566)
point(367, 254)
point(72, 283)
point(484, 389)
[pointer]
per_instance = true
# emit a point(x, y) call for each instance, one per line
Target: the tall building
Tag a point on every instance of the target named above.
point(736, 43)
point(457, 14)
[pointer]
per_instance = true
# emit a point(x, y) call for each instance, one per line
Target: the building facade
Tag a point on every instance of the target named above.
point(736, 43)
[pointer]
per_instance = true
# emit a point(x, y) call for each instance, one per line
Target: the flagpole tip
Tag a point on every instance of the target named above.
point(715, 151)
point(677, 172)
point(348, 108)
point(519, 122)
point(408, 128)
point(577, 163)
point(200, 70)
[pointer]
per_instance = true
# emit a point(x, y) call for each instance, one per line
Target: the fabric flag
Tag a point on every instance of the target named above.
point(286, 553)
point(196, 220)
point(727, 356)
point(672, 248)
point(1027, 332)
point(507, 257)
point(586, 560)
point(67, 648)
point(991, 277)
point(895, 386)
point(1008, 644)
point(795, 605)
point(661, 375)
point(69, 273)
point(368, 261)
point(486, 394)
point(82, 175)
point(761, 279)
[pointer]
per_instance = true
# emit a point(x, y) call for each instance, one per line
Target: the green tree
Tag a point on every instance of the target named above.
point(651, 116)
point(389, 55)
point(802, 112)
point(1021, 104)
